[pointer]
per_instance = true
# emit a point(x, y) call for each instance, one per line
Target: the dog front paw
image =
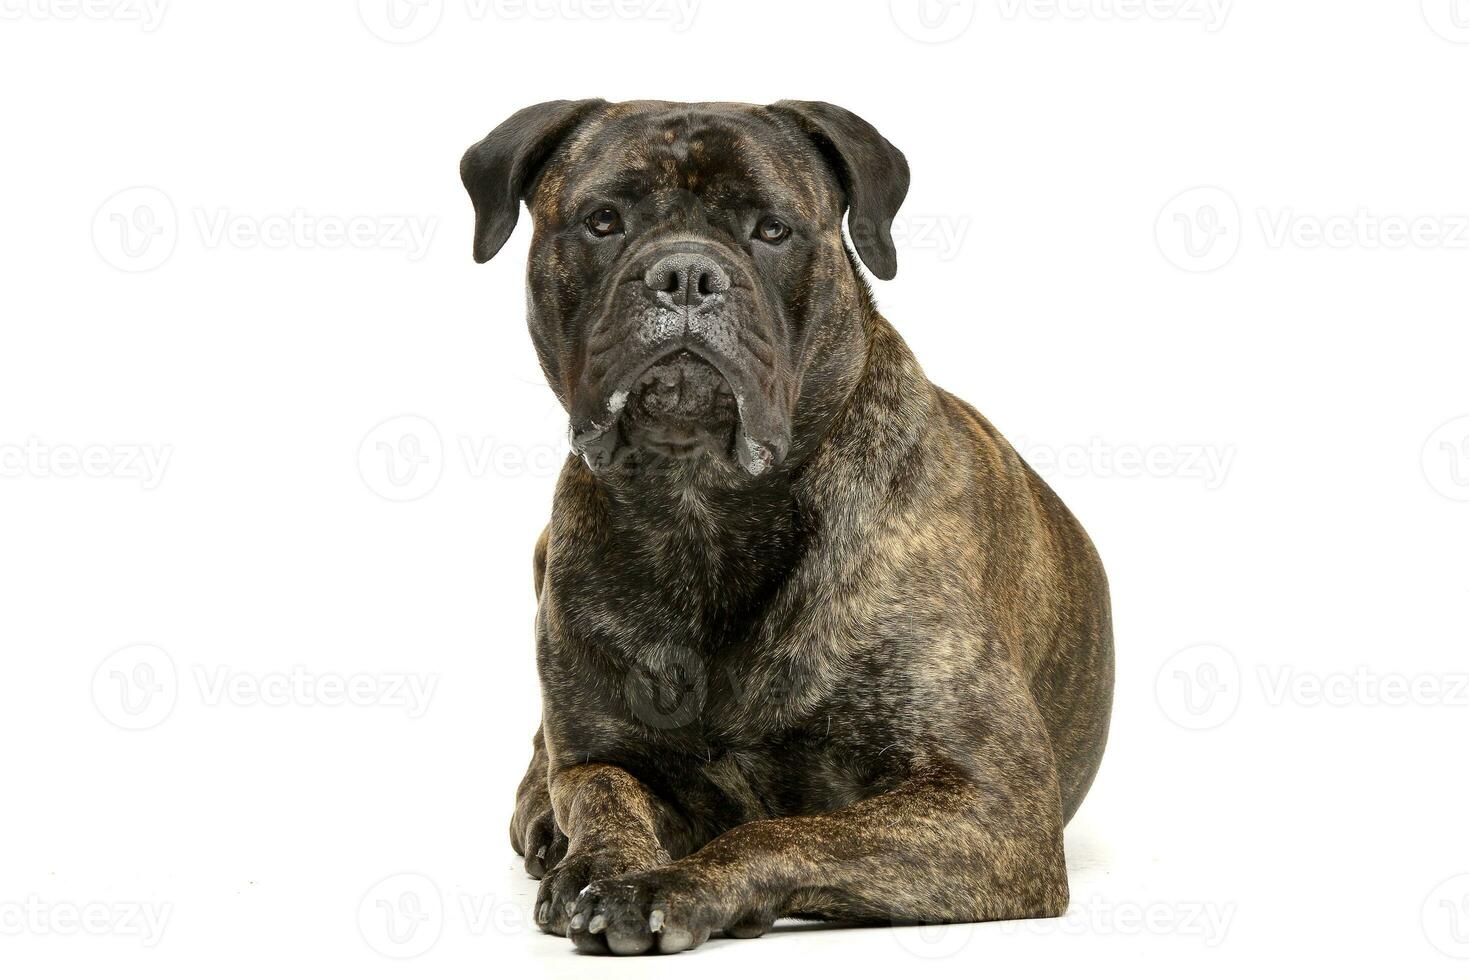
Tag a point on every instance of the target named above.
point(562, 884)
point(651, 911)
point(540, 841)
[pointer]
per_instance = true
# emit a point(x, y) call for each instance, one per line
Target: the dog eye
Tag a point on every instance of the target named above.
point(772, 230)
point(604, 221)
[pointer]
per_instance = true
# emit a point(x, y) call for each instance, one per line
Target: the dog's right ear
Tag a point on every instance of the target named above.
point(872, 172)
point(500, 169)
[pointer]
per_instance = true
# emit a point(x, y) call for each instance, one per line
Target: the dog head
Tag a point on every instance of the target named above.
point(690, 294)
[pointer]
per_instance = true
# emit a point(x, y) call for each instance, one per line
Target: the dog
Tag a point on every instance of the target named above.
point(813, 640)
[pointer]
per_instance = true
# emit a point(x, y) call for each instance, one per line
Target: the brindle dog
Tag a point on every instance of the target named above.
point(813, 640)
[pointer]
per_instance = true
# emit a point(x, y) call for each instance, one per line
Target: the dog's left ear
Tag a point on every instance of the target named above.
point(872, 171)
point(500, 169)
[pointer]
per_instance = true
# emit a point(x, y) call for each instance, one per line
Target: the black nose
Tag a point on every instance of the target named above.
point(686, 279)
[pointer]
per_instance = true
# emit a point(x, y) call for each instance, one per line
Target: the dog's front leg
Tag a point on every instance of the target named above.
point(533, 830)
point(945, 846)
point(614, 824)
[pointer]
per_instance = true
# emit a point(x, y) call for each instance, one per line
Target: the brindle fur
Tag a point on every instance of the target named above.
point(870, 684)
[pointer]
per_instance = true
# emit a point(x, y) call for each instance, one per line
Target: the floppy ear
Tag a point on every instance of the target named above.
point(872, 171)
point(500, 169)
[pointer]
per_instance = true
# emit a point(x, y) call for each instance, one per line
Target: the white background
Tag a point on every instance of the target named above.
point(1253, 395)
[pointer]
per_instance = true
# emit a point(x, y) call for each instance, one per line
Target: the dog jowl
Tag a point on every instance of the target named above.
point(813, 640)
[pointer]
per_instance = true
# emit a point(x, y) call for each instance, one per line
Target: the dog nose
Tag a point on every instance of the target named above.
point(686, 279)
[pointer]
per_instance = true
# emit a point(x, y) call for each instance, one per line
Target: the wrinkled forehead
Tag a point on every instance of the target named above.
point(726, 157)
